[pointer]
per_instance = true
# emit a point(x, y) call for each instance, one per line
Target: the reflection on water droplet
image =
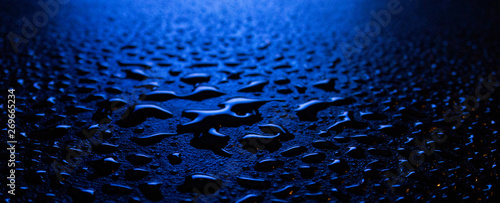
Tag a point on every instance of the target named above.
point(137, 114)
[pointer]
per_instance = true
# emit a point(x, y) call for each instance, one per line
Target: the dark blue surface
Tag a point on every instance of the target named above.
point(252, 101)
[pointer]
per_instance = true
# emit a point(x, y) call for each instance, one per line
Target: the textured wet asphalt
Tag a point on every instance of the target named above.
point(252, 101)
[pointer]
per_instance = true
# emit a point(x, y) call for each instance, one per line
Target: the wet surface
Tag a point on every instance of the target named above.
point(228, 101)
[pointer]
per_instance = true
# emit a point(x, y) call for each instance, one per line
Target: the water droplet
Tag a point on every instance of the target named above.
point(139, 159)
point(253, 183)
point(110, 188)
point(254, 86)
point(339, 166)
point(195, 78)
point(152, 190)
point(199, 93)
point(268, 165)
point(137, 114)
point(151, 139)
point(200, 184)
